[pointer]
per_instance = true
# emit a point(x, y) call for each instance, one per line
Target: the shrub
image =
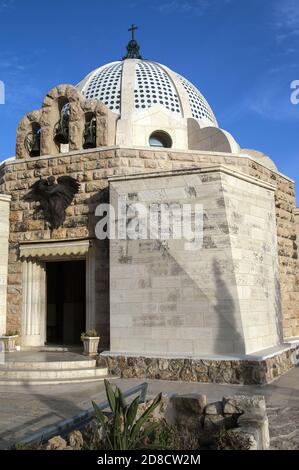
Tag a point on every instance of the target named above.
point(90, 334)
point(229, 440)
point(174, 437)
point(12, 333)
point(124, 431)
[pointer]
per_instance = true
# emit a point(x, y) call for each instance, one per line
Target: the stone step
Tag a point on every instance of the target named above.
point(5, 381)
point(45, 365)
point(52, 374)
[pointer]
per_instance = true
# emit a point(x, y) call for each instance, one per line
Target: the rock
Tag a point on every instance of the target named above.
point(186, 410)
point(189, 404)
point(213, 424)
point(76, 440)
point(240, 404)
point(94, 433)
point(56, 443)
point(182, 411)
point(159, 412)
point(214, 408)
point(238, 439)
point(102, 361)
point(260, 422)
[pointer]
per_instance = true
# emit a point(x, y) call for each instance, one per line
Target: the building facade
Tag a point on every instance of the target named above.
point(137, 130)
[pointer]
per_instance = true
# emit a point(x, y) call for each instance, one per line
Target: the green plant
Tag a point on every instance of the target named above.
point(21, 446)
point(125, 431)
point(90, 334)
point(12, 333)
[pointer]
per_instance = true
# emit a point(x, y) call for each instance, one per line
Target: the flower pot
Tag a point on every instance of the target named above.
point(91, 345)
point(8, 343)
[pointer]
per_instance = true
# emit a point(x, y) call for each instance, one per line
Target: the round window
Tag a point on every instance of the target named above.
point(160, 139)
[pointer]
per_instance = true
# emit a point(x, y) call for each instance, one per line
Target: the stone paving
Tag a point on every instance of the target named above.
point(27, 409)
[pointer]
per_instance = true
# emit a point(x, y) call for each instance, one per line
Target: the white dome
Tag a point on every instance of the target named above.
point(134, 85)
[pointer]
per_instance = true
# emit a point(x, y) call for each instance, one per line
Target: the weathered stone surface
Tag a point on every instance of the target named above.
point(187, 410)
point(207, 371)
point(259, 420)
point(187, 312)
point(76, 440)
point(239, 439)
point(213, 424)
point(240, 404)
point(56, 443)
point(214, 408)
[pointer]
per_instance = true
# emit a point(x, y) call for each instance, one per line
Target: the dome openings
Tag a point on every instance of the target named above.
point(105, 85)
point(154, 85)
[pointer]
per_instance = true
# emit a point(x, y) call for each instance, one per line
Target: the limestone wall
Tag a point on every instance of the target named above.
point(221, 296)
point(297, 242)
point(4, 233)
point(92, 168)
point(296, 213)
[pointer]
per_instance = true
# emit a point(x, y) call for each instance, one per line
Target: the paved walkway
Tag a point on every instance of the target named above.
point(26, 409)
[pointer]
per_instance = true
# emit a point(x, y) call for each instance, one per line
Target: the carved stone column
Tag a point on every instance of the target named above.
point(34, 303)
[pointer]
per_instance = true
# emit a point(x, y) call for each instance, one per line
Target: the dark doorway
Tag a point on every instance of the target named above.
point(65, 302)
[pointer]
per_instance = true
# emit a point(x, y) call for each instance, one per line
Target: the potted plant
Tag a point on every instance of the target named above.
point(9, 340)
point(90, 341)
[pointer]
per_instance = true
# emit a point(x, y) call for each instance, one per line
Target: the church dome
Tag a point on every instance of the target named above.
point(134, 85)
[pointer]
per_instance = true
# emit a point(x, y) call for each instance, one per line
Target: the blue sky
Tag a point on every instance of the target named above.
point(241, 54)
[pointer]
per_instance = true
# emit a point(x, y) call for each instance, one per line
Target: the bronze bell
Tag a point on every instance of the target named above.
point(32, 143)
point(61, 130)
point(90, 134)
point(35, 149)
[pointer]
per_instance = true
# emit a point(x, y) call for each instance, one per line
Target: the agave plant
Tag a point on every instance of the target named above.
point(126, 431)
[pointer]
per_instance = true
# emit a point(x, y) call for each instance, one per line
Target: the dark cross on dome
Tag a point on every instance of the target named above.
point(132, 30)
point(133, 49)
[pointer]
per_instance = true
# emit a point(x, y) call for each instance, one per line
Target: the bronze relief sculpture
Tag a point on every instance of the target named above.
point(54, 198)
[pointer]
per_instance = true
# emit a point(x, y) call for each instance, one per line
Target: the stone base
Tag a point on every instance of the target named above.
point(248, 370)
point(42, 368)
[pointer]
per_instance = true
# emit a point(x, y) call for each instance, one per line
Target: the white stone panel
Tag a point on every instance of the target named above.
point(220, 299)
point(4, 235)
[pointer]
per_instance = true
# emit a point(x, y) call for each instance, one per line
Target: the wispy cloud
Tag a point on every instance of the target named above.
point(6, 4)
point(198, 7)
point(194, 7)
point(185, 6)
point(286, 19)
point(271, 99)
point(17, 72)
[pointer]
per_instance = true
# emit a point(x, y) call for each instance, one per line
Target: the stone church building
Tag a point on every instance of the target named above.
point(136, 129)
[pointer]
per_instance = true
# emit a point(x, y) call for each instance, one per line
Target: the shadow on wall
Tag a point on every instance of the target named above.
point(176, 311)
point(278, 309)
point(175, 308)
point(226, 310)
point(101, 270)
